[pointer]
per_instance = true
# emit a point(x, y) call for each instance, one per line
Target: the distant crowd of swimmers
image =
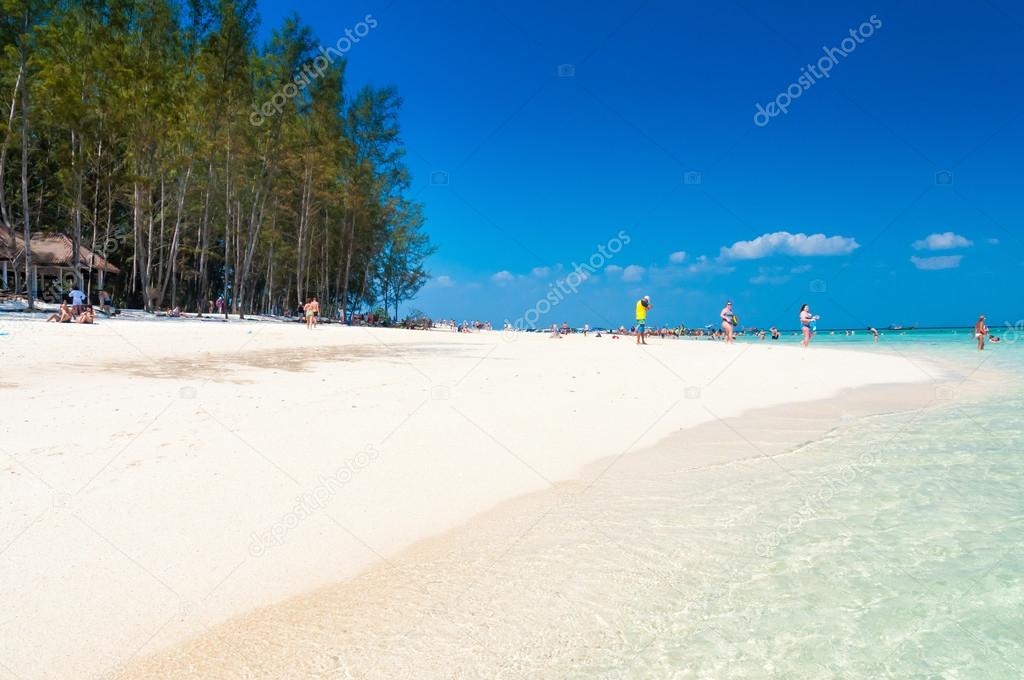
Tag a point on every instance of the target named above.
point(464, 327)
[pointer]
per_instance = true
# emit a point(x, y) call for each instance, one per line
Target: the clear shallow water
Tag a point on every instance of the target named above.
point(893, 548)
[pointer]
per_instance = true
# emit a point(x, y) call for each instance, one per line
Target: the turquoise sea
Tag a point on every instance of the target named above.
point(891, 548)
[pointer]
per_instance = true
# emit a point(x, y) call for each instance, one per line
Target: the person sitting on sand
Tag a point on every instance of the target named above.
point(981, 332)
point(63, 315)
point(87, 315)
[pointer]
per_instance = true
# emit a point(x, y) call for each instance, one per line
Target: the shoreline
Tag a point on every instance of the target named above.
point(356, 613)
point(248, 422)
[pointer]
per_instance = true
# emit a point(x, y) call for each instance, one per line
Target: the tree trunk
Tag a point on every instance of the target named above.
point(78, 174)
point(5, 213)
point(141, 248)
point(204, 241)
point(175, 237)
point(30, 280)
point(348, 264)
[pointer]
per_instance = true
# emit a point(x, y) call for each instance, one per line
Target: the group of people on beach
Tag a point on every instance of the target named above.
point(80, 313)
point(730, 323)
point(76, 308)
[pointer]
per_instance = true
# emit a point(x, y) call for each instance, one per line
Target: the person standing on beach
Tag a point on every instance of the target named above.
point(806, 319)
point(874, 332)
point(105, 301)
point(728, 319)
point(643, 305)
point(77, 300)
point(309, 310)
point(981, 332)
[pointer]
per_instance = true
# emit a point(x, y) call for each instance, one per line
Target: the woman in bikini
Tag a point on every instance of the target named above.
point(727, 317)
point(64, 315)
point(806, 319)
point(981, 332)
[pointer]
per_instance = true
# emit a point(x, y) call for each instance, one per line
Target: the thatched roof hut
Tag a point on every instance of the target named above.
point(52, 250)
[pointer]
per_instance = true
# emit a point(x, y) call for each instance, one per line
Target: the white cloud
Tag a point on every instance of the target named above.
point(442, 281)
point(802, 269)
point(503, 277)
point(633, 272)
point(762, 279)
point(541, 272)
point(704, 265)
point(773, 276)
point(944, 241)
point(613, 269)
point(677, 257)
point(935, 263)
point(785, 243)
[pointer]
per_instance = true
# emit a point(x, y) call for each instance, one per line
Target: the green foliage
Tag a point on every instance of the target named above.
point(155, 149)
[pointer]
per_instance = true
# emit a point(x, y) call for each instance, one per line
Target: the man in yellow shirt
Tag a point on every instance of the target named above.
point(642, 307)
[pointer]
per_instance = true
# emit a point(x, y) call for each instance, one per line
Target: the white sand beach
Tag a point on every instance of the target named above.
point(158, 478)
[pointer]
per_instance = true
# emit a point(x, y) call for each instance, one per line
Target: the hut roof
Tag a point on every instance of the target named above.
point(52, 250)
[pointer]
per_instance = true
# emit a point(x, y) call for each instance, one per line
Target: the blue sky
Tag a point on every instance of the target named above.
point(538, 131)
